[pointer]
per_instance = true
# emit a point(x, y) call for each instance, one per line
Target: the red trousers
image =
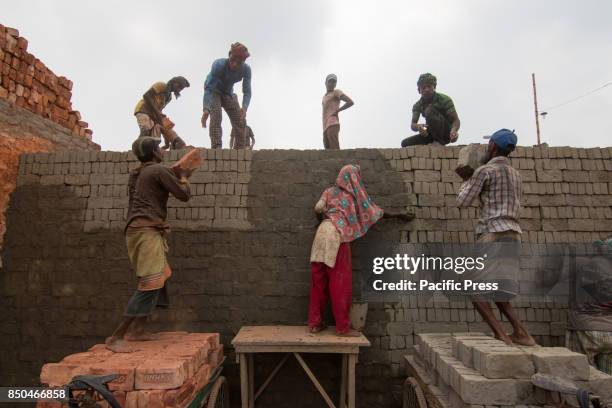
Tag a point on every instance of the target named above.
point(337, 283)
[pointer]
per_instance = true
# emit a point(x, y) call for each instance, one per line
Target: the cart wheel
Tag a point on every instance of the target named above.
point(413, 394)
point(219, 394)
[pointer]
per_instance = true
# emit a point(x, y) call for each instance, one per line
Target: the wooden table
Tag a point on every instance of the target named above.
point(295, 340)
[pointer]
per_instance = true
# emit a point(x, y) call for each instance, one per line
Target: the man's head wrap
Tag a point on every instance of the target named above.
point(239, 51)
point(144, 147)
point(427, 79)
point(330, 77)
point(178, 80)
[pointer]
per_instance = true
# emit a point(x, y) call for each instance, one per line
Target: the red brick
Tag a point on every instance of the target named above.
point(58, 374)
point(215, 356)
point(122, 367)
point(161, 375)
point(151, 399)
point(22, 43)
point(131, 399)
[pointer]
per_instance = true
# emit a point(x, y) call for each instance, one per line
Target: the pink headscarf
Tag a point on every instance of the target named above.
point(349, 206)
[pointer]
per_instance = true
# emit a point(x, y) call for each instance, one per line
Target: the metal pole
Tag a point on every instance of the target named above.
point(535, 104)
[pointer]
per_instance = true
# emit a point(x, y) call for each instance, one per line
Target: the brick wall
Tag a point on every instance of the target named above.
point(35, 112)
point(28, 83)
point(240, 249)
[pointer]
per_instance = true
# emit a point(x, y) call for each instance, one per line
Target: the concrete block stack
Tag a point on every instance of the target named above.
point(167, 372)
point(469, 370)
point(30, 84)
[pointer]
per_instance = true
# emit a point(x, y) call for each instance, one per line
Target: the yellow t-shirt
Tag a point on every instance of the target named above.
point(159, 100)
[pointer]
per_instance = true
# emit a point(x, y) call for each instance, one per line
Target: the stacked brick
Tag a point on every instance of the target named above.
point(168, 372)
point(567, 194)
point(219, 188)
point(249, 228)
point(28, 83)
point(471, 370)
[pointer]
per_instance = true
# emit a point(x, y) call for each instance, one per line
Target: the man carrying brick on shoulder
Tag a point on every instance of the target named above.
point(441, 120)
point(151, 121)
point(499, 187)
point(145, 231)
point(219, 93)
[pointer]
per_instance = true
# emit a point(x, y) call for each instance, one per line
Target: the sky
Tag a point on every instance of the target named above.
point(483, 53)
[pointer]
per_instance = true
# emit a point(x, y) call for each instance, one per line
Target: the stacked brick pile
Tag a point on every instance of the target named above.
point(471, 370)
point(28, 83)
point(168, 372)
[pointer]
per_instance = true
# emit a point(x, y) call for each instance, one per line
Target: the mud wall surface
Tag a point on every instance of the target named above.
point(240, 252)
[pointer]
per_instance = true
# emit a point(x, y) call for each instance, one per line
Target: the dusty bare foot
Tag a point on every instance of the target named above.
point(505, 338)
point(118, 346)
point(350, 333)
point(144, 336)
point(318, 329)
point(523, 340)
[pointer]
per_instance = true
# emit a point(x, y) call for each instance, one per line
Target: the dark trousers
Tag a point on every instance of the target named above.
point(438, 130)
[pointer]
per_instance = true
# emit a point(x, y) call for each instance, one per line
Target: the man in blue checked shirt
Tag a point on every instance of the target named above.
point(219, 93)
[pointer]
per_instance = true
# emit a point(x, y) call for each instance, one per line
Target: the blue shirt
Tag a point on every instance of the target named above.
point(221, 79)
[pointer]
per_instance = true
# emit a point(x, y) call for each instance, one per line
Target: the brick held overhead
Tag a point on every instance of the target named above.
point(28, 83)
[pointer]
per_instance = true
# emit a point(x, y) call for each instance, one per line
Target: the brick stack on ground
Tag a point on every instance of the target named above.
point(30, 84)
point(472, 370)
point(167, 372)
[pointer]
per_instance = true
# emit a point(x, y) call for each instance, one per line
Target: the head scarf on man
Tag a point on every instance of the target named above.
point(178, 80)
point(239, 51)
point(349, 206)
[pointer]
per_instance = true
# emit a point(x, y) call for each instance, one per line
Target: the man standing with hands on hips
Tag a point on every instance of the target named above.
point(331, 108)
point(219, 93)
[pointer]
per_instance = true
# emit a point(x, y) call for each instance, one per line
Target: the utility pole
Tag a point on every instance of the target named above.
point(535, 104)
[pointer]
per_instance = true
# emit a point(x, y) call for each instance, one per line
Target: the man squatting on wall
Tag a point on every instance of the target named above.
point(499, 187)
point(151, 121)
point(145, 231)
point(441, 119)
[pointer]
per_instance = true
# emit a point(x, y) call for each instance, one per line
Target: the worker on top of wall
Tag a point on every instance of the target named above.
point(219, 93)
point(441, 119)
point(149, 187)
point(331, 108)
point(498, 186)
point(151, 121)
point(347, 213)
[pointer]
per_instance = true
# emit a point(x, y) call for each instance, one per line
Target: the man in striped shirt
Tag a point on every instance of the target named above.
point(499, 187)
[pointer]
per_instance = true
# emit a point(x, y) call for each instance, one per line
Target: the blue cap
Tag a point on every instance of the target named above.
point(505, 139)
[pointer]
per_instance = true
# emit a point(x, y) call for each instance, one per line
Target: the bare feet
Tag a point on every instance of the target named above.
point(144, 336)
point(318, 329)
point(523, 339)
point(118, 346)
point(350, 333)
point(505, 338)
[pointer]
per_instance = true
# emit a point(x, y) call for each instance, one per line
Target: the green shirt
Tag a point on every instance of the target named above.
point(442, 103)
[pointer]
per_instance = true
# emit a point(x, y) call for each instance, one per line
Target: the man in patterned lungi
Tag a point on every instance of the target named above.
point(219, 93)
point(151, 121)
point(145, 232)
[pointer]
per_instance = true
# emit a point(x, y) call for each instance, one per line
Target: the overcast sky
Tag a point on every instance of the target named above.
point(483, 53)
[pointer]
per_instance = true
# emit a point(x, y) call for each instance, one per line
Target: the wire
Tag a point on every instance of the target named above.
point(546, 110)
